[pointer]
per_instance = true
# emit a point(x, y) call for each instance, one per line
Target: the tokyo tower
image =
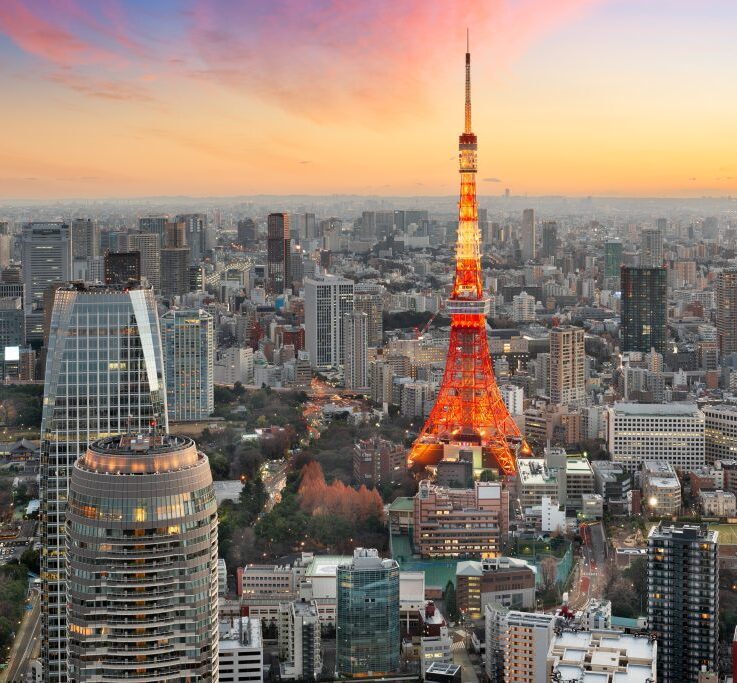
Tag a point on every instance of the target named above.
point(469, 412)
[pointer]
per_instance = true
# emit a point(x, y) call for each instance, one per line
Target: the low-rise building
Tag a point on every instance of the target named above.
point(241, 651)
point(603, 656)
point(717, 503)
point(536, 480)
point(300, 640)
point(661, 490)
point(575, 480)
point(613, 482)
point(378, 461)
point(506, 580)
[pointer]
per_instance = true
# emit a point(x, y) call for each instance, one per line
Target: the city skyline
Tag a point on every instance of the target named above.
point(575, 97)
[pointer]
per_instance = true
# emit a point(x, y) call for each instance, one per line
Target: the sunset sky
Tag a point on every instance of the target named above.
point(117, 98)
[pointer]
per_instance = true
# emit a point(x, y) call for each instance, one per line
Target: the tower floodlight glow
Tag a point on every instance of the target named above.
point(469, 410)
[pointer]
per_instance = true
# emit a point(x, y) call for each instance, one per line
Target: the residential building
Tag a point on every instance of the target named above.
point(517, 645)
point(673, 432)
point(116, 331)
point(683, 599)
point(241, 651)
point(727, 311)
point(188, 340)
point(234, 364)
point(355, 351)
point(368, 298)
point(567, 365)
point(505, 580)
point(378, 461)
point(148, 245)
point(528, 239)
point(155, 556)
point(300, 640)
point(644, 319)
point(603, 656)
point(85, 240)
point(651, 248)
point(327, 300)
point(523, 308)
point(661, 489)
point(461, 522)
point(367, 620)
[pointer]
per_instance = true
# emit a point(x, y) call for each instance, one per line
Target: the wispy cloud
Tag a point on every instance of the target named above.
point(492, 180)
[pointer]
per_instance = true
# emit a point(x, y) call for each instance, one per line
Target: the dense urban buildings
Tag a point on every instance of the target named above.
point(142, 523)
point(683, 599)
point(367, 619)
point(105, 368)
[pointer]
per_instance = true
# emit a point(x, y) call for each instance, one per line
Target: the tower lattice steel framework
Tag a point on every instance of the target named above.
point(469, 409)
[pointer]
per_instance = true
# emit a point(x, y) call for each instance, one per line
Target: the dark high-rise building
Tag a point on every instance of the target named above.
point(550, 238)
point(246, 232)
point(367, 226)
point(175, 258)
point(123, 267)
point(278, 248)
point(644, 316)
point(612, 258)
point(195, 225)
point(727, 311)
point(311, 227)
point(367, 616)
point(142, 562)
point(683, 599)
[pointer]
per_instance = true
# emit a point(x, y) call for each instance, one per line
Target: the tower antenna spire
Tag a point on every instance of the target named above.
point(467, 128)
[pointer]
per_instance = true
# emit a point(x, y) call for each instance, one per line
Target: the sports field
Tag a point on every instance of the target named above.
point(727, 533)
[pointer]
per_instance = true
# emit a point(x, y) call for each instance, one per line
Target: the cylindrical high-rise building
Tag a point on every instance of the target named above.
point(142, 562)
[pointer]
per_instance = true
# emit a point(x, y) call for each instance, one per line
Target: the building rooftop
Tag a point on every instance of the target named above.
point(657, 409)
point(402, 505)
point(534, 472)
point(327, 565)
point(239, 633)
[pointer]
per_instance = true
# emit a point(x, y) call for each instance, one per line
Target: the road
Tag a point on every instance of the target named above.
point(274, 477)
point(460, 656)
point(590, 578)
point(25, 643)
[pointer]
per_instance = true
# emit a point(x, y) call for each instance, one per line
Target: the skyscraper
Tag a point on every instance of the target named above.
point(142, 551)
point(84, 238)
point(683, 599)
point(104, 375)
point(122, 267)
point(175, 256)
point(528, 243)
point(550, 238)
point(644, 317)
point(367, 616)
point(368, 299)
point(567, 365)
point(612, 258)
point(327, 300)
point(46, 260)
point(727, 311)
point(355, 348)
point(149, 246)
point(246, 232)
point(154, 225)
point(278, 254)
point(195, 227)
point(189, 355)
point(651, 248)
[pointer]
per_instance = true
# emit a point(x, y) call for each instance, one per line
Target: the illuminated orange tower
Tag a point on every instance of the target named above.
point(469, 411)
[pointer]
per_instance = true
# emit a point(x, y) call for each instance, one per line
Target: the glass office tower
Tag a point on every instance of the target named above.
point(367, 619)
point(104, 376)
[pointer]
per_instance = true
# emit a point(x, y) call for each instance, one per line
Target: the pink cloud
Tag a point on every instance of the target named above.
point(328, 59)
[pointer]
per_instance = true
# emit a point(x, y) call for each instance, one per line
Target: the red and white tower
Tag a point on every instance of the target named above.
point(469, 411)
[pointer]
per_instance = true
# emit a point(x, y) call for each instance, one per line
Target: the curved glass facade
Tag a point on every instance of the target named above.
point(142, 570)
point(104, 376)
